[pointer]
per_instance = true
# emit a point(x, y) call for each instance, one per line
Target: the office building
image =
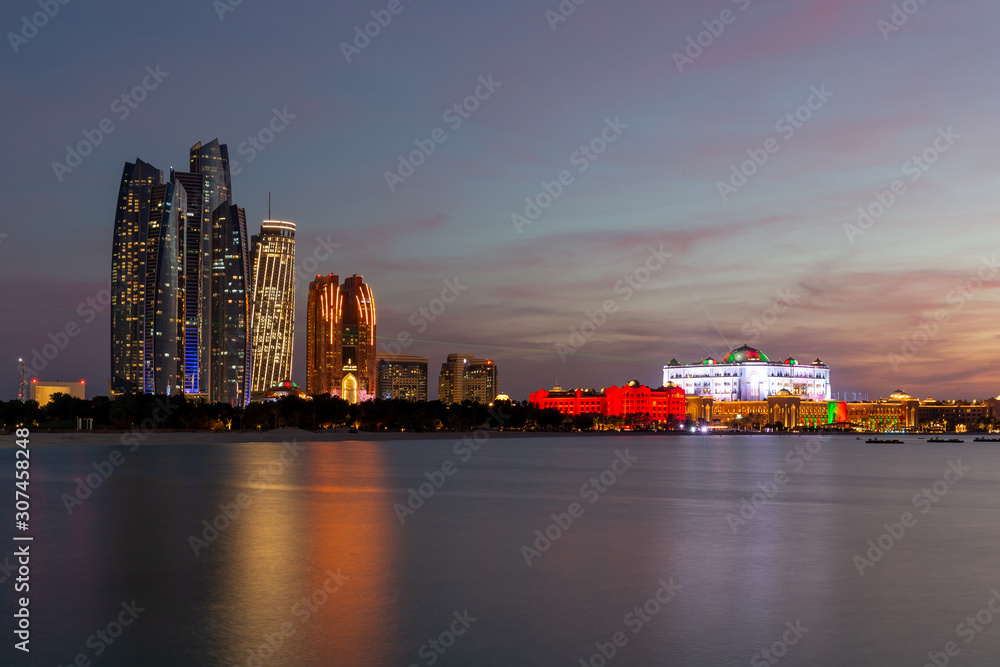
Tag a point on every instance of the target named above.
point(465, 378)
point(147, 289)
point(401, 377)
point(208, 186)
point(340, 351)
point(230, 336)
point(273, 305)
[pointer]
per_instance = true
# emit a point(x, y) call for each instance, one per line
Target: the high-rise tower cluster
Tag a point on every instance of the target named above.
point(182, 285)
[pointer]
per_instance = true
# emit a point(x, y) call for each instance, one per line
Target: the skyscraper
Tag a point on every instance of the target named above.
point(230, 336)
point(208, 186)
point(341, 339)
point(401, 376)
point(358, 372)
point(147, 288)
point(273, 310)
point(323, 336)
point(465, 378)
point(180, 282)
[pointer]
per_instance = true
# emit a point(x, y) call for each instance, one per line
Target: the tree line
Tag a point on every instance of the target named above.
point(322, 412)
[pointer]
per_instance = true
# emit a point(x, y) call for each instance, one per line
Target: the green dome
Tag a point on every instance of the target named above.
point(744, 354)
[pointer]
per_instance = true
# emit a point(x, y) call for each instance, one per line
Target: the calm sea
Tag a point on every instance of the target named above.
point(662, 551)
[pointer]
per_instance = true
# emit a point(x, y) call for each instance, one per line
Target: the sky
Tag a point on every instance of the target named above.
point(635, 181)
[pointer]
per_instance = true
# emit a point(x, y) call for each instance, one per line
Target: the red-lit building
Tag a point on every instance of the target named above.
point(661, 404)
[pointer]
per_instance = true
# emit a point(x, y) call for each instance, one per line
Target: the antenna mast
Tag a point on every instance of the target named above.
point(22, 386)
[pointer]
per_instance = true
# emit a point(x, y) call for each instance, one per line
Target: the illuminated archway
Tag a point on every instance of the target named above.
point(349, 389)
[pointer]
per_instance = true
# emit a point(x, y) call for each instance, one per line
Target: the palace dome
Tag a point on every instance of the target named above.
point(743, 354)
point(791, 362)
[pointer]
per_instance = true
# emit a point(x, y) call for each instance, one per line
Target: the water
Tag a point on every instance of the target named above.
point(329, 512)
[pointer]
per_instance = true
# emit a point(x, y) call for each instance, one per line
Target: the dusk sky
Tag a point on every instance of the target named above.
point(850, 294)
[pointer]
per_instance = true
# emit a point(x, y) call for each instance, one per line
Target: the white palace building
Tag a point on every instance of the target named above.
point(746, 374)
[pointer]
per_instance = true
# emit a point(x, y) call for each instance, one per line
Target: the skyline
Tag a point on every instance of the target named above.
point(776, 249)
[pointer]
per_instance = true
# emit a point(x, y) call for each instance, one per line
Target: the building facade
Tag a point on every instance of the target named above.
point(401, 377)
point(230, 327)
point(147, 289)
point(273, 310)
point(323, 336)
point(208, 185)
point(746, 374)
point(44, 391)
point(340, 349)
point(466, 378)
point(663, 406)
point(180, 287)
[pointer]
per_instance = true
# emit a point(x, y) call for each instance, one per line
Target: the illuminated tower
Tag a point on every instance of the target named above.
point(341, 339)
point(358, 378)
point(208, 186)
point(273, 310)
point(147, 290)
point(323, 336)
point(230, 359)
point(128, 275)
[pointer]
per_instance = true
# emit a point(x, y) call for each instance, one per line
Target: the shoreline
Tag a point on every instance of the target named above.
point(114, 438)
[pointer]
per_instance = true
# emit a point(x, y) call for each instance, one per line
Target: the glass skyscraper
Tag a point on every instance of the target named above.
point(208, 186)
point(273, 305)
point(180, 312)
point(230, 325)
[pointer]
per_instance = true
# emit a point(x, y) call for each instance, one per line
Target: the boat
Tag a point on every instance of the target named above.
point(876, 441)
point(944, 440)
point(986, 440)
